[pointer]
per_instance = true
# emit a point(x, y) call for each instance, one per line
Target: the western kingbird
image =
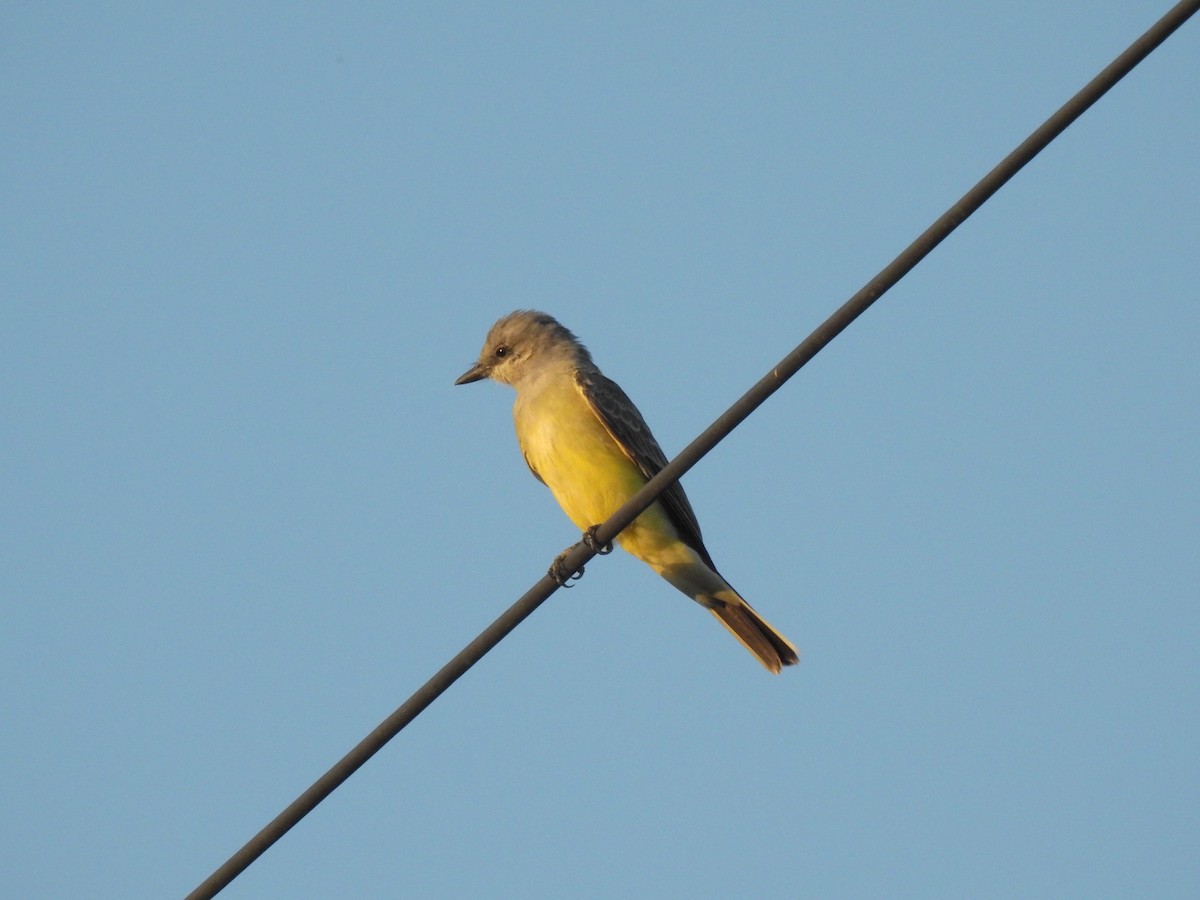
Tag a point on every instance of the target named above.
point(587, 442)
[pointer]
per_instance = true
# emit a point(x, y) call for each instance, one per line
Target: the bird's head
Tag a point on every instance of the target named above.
point(522, 343)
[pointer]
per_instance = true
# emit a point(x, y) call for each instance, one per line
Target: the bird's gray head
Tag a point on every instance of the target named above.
point(522, 342)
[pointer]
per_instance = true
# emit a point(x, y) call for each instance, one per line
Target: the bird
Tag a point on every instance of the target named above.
point(583, 438)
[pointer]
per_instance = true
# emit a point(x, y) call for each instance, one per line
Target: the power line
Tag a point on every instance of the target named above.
point(730, 419)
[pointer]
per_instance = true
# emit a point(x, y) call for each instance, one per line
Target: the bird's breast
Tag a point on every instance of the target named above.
point(573, 453)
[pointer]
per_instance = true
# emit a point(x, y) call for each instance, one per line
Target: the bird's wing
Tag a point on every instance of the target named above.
point(625, 424)
point(531, 468)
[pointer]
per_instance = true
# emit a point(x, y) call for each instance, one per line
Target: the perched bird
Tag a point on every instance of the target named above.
point(587, 442)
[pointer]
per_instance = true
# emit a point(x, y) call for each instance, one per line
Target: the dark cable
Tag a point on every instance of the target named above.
point(751, 400)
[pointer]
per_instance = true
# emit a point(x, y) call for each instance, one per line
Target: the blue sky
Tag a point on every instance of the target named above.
point(247, 250)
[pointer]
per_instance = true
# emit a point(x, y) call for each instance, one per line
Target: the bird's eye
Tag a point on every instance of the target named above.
point(502, 351)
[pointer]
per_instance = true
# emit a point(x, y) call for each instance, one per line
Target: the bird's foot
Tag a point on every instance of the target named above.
point(589, 538)
point(559, 572)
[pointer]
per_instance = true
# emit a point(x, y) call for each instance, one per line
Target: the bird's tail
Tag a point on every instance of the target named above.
point(771, 648)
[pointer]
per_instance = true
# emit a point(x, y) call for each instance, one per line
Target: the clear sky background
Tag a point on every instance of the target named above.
point(245, 513)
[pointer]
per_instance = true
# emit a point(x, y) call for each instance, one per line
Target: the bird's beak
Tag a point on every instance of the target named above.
point(476, 373)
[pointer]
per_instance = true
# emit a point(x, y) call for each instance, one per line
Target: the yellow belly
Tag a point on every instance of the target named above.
point(588, 473)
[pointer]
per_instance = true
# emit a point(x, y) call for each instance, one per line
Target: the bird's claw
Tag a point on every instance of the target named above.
point(559, 573)
point(589, 538)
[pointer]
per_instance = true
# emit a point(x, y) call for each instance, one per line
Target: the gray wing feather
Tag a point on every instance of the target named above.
point(618, 414)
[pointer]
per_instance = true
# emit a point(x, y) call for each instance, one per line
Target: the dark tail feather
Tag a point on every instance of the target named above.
point(771, 648)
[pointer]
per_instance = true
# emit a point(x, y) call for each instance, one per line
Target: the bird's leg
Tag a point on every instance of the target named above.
point(559, 573)
point(589, 538)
